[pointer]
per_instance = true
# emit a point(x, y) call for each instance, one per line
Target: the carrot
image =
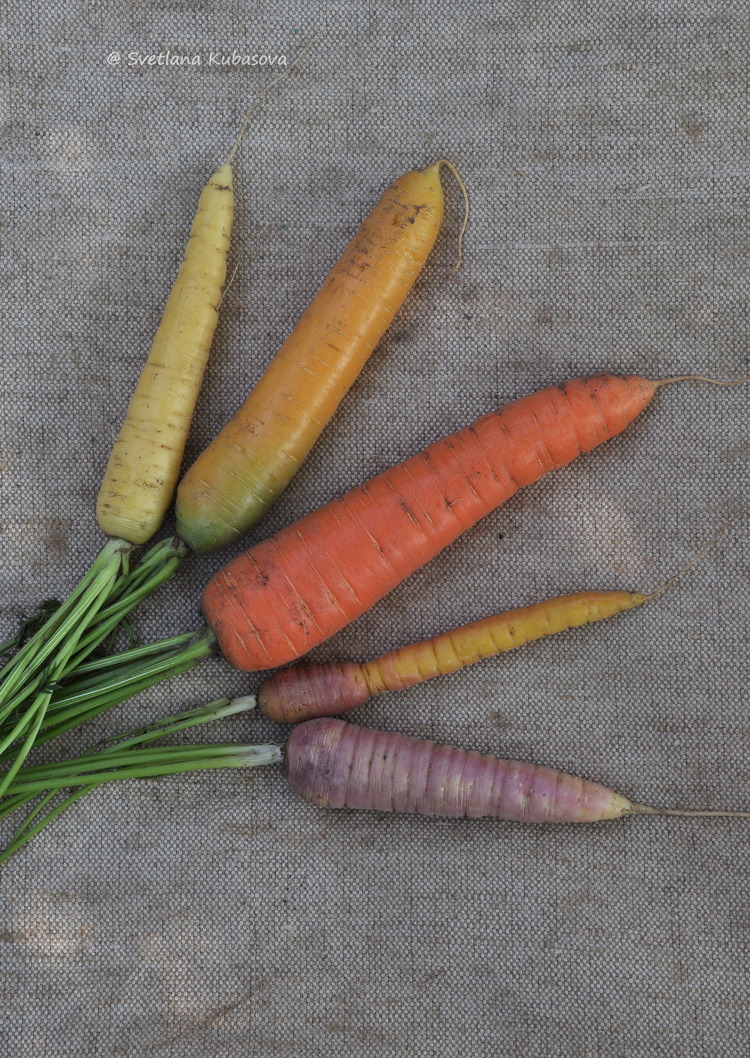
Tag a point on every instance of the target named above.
point(302, 692)
point(145, 462)
point(337, 765)
point(333, 765)
point(287, 594)
point(245, 468)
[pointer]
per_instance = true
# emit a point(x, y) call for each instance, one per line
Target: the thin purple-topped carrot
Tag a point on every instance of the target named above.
point(305, 691)
point(302, 692)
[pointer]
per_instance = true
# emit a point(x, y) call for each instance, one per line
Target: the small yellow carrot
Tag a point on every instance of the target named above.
point(299, 693)
point(145, 462)
point(250, 462)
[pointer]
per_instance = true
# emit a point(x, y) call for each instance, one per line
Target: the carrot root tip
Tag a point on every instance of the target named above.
point(253, 105)
point(457, 177)
point(696, 558)
point(699, 378)
point(697, 813)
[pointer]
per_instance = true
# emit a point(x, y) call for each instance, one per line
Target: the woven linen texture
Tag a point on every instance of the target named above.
point(605, 147)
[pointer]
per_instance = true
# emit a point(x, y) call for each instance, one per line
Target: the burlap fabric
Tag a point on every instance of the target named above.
point(605, 147)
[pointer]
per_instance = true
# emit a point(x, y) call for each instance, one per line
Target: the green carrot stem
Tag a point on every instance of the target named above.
point(63, 641)
point(162, 563)
point(153, 764)
point(157, 565)
point(109, 690)
point(114, 758)
point(10, 643)
point(78, 715)
point(37, 709)
point(121, 752)
point(119, 749)
point(120, 676)
point(102, 573)
point(20, 726)
point(70, 711)
point(67, 719)
point(34, 684)
point(10, 805)
point(23, 835)
point(92, 617)
point(169, 725)
point(32, 720)
point(35, 810)
point(134, 654)
point(82, 700)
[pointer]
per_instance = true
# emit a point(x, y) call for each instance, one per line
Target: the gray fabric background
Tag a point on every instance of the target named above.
point(606, 150)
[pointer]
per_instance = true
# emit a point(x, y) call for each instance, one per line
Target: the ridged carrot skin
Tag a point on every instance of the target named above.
point(245, 468)
point(337, 765)
point(292, 695)
point(145, 462)
point(289, 593)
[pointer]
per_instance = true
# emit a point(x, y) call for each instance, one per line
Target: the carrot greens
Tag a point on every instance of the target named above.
point(86, 621)
point(128, 756)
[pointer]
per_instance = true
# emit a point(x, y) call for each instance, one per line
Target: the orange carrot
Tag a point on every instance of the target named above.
point(237, 478)
point(287, 594)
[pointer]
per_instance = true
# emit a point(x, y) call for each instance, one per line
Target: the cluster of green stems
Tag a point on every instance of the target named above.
point(63, 676)
point(128, 757)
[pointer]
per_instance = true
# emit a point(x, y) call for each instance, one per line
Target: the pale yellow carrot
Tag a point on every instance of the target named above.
point(145, 462)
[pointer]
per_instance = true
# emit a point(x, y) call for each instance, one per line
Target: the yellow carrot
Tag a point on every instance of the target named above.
point(474, 642)
point(240, 474)
point(299, 693)
point(145, 462)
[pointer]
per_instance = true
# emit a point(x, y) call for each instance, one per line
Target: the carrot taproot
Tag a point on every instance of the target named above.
point(299, 693)
point(289, 593)
point(249, 463)
point(302, 692)
point(333, 764)
point(144, 465)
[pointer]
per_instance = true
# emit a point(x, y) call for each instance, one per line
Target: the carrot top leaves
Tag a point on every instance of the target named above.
point(128, 756)
point(29, 624)
point(72, 632)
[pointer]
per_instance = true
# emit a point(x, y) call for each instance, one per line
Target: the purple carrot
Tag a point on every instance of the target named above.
point(337, 765)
